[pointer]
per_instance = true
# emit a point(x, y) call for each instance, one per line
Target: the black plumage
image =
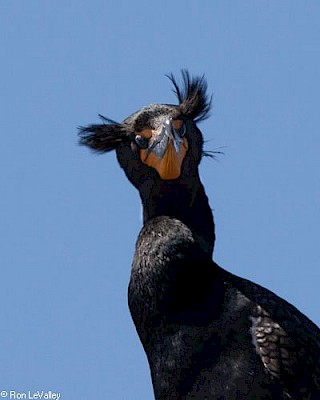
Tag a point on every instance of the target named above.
point(207, 333)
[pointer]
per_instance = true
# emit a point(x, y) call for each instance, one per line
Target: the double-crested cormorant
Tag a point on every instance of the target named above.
point(207, 333)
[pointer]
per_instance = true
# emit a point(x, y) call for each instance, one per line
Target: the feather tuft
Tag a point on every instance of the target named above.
point(192, 96)
point(103, 137)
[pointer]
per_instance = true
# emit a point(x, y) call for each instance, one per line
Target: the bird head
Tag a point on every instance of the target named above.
point(160, 141)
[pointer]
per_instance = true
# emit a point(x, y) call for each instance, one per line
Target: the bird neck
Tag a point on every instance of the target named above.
point(185, 201)
point(174, 292)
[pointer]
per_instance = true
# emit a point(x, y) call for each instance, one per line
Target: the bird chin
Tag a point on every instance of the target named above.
point(169, 165)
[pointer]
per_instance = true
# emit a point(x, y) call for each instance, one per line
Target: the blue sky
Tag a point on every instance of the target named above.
point(69, 218)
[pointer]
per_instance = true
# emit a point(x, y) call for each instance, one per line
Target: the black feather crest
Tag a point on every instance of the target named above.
point(103, 137)
point(193, 98)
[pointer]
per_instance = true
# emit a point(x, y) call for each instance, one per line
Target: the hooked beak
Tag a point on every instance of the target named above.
point(167, 149)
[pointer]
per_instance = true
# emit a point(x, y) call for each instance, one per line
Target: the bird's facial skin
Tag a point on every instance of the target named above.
point(164, 148)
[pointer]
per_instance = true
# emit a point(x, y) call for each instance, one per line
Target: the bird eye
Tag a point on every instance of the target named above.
point(141, 141)
point(181, 131)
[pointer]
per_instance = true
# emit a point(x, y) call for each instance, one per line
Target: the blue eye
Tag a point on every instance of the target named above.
point(182, 131)
point(141, 142)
